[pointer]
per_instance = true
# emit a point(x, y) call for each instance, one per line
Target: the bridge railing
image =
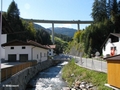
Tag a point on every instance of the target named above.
point(9, 71)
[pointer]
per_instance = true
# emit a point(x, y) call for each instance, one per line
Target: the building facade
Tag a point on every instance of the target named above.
point(112, 45)
point(25, 51)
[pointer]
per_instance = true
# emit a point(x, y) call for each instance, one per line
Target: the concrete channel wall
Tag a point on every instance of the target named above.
point(19, 80)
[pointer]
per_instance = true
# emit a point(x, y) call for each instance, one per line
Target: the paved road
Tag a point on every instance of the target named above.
point(90, 63)
point(93, 64)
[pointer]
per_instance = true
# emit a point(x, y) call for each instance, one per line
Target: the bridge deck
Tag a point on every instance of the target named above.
point(60, 21)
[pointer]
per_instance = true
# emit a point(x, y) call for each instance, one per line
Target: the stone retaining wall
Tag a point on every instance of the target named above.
point(20, 79)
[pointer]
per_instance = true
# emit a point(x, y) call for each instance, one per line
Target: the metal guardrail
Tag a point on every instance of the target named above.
point(9, 71)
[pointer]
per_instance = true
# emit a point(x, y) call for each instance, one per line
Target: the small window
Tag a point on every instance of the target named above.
point(45, 55)
point(23, 47)
point(37, 56)
point(12, 48)
point(111, 48)
point(40, 54)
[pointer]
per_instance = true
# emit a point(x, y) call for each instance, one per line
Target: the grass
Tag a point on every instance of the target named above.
point(96, 78)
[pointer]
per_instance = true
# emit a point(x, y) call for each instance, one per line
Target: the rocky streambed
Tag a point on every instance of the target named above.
point(49, 79)
point(81, 85)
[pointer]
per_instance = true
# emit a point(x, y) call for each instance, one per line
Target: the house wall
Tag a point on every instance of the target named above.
point(51, 52)
point(18, 50)
point(108, 48)
point(39, 54)
point(3, 40)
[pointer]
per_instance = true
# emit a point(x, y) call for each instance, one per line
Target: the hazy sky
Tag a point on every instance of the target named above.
point(53, 10)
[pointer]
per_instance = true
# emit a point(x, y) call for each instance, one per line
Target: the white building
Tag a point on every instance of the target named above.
point(3, 40)
point(112, 42)
point(51, 50)
point(23, 51)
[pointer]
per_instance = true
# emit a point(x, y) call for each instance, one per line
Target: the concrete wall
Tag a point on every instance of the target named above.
point(20, 80)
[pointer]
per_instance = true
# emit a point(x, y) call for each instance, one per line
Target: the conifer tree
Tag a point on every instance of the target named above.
point(99, 10)
point(14, 21)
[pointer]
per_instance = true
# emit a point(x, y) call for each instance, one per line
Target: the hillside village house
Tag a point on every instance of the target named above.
point(51, 50)
point(111, 45)
point(23, 51)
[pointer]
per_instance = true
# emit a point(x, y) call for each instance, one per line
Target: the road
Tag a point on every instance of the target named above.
point(92, 63)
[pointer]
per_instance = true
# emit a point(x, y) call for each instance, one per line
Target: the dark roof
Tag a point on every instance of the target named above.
point(20, 43)
point(6, 29)
point(36, 44)
point(116, 57)
point(111, 34)
point(115, 34)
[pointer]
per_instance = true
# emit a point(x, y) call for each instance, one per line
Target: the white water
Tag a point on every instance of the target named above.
point(49, 79)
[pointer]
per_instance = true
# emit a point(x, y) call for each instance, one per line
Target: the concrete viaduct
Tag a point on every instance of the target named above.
point(78, 22)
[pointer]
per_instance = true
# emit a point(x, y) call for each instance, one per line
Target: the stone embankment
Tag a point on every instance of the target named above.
point(78, 85)
point(19, 80)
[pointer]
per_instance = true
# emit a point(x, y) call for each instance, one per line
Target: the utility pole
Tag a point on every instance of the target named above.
point(0, 39)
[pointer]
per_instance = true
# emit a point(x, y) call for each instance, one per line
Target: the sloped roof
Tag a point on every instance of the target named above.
point(115, 34)
point(20, 43)
point(36, 44)
point(111, 34)
point(116, 57)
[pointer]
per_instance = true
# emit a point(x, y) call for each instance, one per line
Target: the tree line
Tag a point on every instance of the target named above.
point(24, 30)
point(106, 17)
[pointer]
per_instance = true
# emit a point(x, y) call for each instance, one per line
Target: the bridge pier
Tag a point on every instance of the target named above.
point(59, 21)
point(53, 33)
point(78, 26)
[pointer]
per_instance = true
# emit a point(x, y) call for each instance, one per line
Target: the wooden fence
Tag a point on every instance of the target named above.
point(9, 71)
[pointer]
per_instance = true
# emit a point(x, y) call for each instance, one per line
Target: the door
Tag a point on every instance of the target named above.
point(23, 57)
point(12, 57)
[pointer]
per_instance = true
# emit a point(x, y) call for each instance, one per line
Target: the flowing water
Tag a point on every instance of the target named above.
point(49, 79)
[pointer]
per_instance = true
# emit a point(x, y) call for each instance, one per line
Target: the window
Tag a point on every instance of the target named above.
point(23, 47)
point(113, 48)
point(37, 56)
point(12, 48)
point(40, 54)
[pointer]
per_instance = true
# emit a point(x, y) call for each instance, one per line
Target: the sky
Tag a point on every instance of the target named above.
point(54, 10)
